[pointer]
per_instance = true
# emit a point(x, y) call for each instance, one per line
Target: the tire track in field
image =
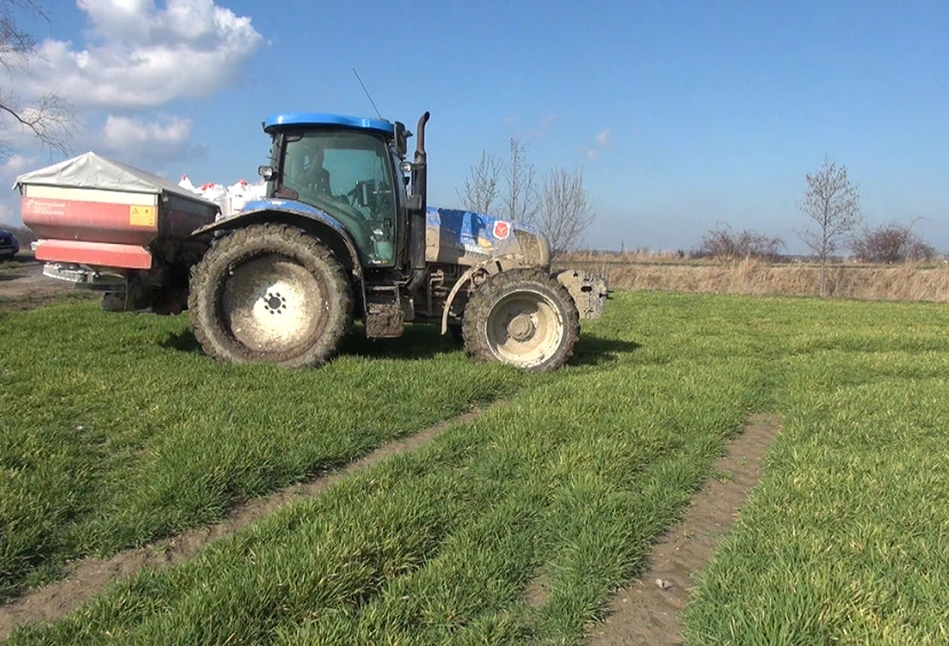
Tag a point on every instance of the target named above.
point(648, 610)
point(88, 577)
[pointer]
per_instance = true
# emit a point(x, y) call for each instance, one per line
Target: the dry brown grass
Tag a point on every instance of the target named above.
point(638, 256)
point(667, 272)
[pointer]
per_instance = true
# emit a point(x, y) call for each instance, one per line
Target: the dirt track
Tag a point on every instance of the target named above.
point(648, 610)
point(90, 576)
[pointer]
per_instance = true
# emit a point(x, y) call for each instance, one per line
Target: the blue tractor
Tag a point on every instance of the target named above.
point(345, 234)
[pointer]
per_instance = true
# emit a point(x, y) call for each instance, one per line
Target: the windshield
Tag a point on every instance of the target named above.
point(349, 176)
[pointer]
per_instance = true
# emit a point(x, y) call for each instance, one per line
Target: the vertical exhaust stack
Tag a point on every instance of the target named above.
point(417, 217)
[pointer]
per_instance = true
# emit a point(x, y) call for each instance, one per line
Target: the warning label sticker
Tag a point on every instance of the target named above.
point(142, 216)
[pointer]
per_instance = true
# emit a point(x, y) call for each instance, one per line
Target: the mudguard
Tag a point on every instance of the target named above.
point(490, 266)
point(254, 212)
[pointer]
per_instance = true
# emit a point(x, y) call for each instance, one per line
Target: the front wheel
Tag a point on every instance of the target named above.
point(524, 318)
point(270, 293)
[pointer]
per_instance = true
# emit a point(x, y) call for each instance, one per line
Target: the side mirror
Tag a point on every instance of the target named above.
point(401, 136)
point(266, 172)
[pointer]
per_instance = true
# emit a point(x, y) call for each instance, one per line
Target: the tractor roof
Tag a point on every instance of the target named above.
point(311, 119)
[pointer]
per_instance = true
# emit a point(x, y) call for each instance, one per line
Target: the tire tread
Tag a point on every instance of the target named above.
point(246, 243)
point(499, 285)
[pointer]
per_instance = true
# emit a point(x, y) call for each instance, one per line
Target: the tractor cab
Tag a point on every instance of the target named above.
point(350, 169)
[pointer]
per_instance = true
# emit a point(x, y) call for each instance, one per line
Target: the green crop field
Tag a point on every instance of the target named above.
point(116, 432)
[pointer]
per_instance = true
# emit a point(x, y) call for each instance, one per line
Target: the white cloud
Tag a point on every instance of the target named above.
point(132, 58)
point(123, 132)
point(141, 56)
point(16, 164)
point(604, 137)
point(543, 125)
point(148, 142)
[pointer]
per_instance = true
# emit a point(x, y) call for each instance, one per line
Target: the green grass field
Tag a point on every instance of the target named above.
point(122, 433)
point(847, 539)
point(116, 431)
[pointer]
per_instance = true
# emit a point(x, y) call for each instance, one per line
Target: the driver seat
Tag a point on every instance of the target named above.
point(319, 177)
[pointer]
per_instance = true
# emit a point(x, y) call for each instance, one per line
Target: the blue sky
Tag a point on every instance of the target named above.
point(682, 114)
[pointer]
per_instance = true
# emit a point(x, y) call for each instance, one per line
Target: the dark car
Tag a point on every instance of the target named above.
point(9, 245)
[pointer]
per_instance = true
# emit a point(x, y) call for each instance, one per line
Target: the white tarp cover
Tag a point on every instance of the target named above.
point(91, 170)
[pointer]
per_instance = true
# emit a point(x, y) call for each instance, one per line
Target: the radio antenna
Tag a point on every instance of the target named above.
point(367, 93)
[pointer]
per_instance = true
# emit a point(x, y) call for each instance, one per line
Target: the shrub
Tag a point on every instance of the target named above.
point(724, 243)
point(891, 243)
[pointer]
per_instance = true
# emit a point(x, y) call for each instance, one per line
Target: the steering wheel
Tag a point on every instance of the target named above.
point(353, 194)
point(369, 186)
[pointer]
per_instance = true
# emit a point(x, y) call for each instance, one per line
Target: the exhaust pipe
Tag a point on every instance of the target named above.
point(417, 217)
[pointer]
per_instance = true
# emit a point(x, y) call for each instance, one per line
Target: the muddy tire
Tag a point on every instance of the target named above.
point(522, 318)
point(270, 293)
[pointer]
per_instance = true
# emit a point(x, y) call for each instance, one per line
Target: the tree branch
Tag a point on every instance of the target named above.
point(49, 118)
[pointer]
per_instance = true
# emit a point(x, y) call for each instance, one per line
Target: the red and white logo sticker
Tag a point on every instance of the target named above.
point(501, 230)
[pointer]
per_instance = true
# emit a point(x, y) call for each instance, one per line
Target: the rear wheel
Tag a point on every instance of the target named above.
point(524, 318)
point(270, 293)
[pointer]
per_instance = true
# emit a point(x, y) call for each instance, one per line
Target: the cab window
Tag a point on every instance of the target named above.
point(349, 176)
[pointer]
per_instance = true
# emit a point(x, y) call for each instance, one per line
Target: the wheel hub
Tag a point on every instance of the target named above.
point(272, 304)
point(521, 328)
point(275, 303)
point(524, 328)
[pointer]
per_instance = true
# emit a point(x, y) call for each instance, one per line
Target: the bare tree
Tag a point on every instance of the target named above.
point(50, 119)
point(561, 207)
point(832, 204)
point(521, 195)
point(891, 244)
point(921, 251)
point(481, 185)
point(565, 210)
point(724, 243)
point(483, 191)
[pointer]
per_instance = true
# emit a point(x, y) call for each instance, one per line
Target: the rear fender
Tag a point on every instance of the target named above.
point(314, 221)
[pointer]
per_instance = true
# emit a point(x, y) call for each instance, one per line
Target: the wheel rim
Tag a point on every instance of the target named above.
point(525, 328)
point(272, 304)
